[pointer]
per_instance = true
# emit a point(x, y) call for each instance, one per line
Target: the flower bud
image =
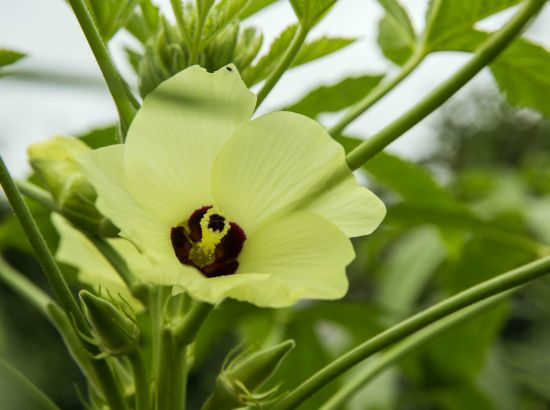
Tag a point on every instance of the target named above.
point(55, 162)
point(238, 383)
point(117, 333)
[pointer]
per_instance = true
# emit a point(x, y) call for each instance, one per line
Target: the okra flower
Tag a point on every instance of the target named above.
point(224, 206)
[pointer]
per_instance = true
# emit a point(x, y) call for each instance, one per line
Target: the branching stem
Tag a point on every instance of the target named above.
point(484, 55)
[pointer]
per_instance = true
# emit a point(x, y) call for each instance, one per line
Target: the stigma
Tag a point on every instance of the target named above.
point(209, 242)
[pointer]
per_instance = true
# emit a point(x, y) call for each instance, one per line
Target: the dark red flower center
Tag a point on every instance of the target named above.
point(209, 242)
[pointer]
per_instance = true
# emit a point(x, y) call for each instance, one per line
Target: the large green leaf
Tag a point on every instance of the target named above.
point(320, 47)
point(309, 12)
point(523, 75)
point(8, 57)
point(335, 97)
point(447, 20)
point(396, 35)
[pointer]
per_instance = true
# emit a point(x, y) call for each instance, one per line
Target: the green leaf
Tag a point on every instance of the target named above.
point(256, 6)
point(320, 47)
point(309, 12)
point(396, 35)
point(335, 97)
point(8, 57)
point(17, 392)
point(523, 75)
point(268, 61)
point(100, 137)
point(310, 51)
point(411, 181)
point(409, 266)
point(447, 20)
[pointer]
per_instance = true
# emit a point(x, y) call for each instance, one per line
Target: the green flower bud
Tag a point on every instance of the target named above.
point(238, 383)
point(55, 162)
point(117, 333)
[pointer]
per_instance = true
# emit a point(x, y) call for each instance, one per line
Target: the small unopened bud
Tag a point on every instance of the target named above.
point(55, 162)
point(117, 333)
point(238, 383)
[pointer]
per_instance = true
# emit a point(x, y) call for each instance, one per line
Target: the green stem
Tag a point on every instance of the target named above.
point(484, 55)
point(186, 329)
point(25, 288)
point(378, 92)
point(63, 294)
point(117, 87)
point(178, 13)
point(38, 194)
point(141, 381)
point(281, 67)
point(406, 347)
point(499, 284)
point(171, 378)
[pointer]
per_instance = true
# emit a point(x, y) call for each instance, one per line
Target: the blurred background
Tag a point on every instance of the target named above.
point(464, 188)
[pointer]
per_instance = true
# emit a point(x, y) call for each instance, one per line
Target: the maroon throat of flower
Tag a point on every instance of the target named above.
point(209, 242)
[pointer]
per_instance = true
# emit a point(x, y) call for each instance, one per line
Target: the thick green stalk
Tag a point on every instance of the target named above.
point(171, 387)
point(406, 347)
point(281, 67)
point(484, 290)
point(172, 370)
point(61, 290)
point(117, 87)
point(378, 92)
point(141, 381)
point(484, 55)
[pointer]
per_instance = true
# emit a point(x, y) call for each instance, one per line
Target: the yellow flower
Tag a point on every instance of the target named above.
point(224, 206)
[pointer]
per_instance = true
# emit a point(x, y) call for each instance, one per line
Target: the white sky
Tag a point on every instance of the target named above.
point(49, 33)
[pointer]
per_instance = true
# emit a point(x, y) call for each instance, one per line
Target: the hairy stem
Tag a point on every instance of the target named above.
point(115, 83)
point(484, 55)
point(407, 327)
point(281, 67)
point(378, 93)
point(406, 347)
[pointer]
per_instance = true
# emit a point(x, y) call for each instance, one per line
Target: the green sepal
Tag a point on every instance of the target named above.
point(239, 381)
point(117, 332)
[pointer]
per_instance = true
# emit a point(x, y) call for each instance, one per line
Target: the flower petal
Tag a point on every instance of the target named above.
point(284, 161)
point(104, 168)
point(303, 253)
point(176, 134)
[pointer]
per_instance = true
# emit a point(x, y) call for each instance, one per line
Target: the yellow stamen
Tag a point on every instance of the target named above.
point(203, 252)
